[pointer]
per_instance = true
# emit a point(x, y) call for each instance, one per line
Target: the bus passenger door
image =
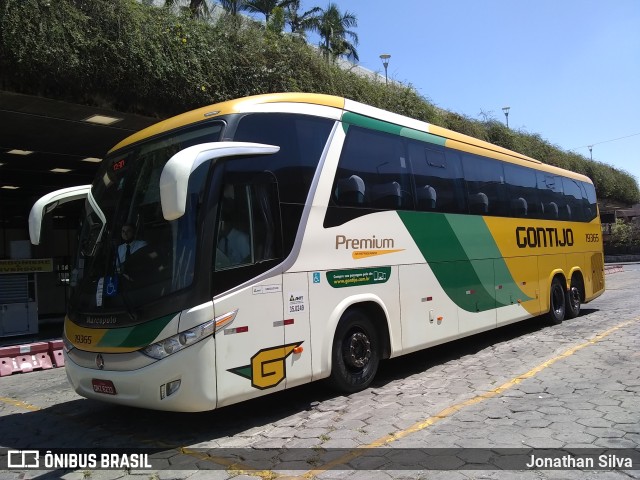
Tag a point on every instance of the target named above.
point(249, 347)
point(297, 330)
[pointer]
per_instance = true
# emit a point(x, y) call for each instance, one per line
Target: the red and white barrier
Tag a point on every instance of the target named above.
point(30, 357)
point(55, 352)
point(613, 269)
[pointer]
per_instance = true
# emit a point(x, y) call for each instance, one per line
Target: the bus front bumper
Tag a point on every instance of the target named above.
point(191, 372)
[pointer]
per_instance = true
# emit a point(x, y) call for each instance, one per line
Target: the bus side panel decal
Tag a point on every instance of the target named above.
point(443, 239)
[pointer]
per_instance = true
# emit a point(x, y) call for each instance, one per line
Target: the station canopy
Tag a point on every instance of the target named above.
point(48, 144)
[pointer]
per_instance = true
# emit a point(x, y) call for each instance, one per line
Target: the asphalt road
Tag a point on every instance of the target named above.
point(510, 403)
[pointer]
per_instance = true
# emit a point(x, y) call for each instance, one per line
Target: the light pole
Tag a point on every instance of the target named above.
point(506, 114)
point(591, 151)
point(385, 62)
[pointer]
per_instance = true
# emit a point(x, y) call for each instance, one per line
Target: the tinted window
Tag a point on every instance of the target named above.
point(248, 232)
point(486, 189)
point(551, 196)
point(438, 179)
point(373, 172)
point(589, 202)
point(573, 200)
point(301, 140)
point(524, 200)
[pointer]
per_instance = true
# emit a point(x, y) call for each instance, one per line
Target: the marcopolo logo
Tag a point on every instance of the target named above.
point(366, 247)
point(532, 237)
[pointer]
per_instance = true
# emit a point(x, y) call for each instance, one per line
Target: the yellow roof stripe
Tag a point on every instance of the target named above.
point(231, 106)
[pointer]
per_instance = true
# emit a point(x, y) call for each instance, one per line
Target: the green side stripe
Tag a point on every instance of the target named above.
point(350, 118)
point(136, 336)
point(371, 123)
point(456, 249)
point(422, 136)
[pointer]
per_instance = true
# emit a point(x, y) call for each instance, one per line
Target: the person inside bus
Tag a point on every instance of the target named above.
point(233, 238)
point(129, 245)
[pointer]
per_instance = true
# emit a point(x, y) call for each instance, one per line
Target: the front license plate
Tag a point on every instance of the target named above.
point(103, 386)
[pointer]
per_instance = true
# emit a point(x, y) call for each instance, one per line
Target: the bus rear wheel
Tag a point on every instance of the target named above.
point(574, 296)
point(557, 302)
point(355, 353)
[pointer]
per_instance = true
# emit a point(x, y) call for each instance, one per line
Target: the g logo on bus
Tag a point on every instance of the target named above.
point(267, 368)
point(100, 361)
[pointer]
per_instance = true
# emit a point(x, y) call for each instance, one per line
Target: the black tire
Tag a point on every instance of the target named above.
point(574, 296)
point(356, 352)
point(557, 302)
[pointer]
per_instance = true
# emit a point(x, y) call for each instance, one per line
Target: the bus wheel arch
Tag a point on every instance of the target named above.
point(360, 341)
point(575, 295)
point(557, 299)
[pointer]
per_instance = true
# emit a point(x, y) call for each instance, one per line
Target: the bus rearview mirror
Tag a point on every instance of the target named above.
point(174, 180)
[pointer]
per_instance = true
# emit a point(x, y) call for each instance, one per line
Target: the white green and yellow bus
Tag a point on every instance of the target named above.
point(262, 243)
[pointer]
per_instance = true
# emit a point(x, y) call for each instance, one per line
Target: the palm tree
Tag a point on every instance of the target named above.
point(265, 6)
point(300, 23)
point(233, 6)
point(334, 28)
point(196, 8)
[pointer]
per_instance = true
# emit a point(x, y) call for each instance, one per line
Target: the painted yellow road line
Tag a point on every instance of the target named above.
point(449, 411)
point(232, 467)
point(19, 404)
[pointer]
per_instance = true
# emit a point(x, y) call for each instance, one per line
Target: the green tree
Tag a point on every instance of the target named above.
point(335, 32)
point(276, 21)
point(625, 233)
point(301, 22)
point(195, 8)
point(233, 6)
point(265, 6)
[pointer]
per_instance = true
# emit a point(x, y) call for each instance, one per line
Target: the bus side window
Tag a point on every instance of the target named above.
point(551, 196)
point(573, 199)
point(486, 187)
point(523, 192)
point(373, 172)
point(248, 226)
point(437, 177)
point(590, 206)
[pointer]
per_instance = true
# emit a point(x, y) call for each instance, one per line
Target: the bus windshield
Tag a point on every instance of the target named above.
point(128, 254)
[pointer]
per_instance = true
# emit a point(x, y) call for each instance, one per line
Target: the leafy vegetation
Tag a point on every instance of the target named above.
point(139, 58)
point(625, 235)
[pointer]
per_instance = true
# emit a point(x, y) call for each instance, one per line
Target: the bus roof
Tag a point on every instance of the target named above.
point(449, 138)
point(228, 107)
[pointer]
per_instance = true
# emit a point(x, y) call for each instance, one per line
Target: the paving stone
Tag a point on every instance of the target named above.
point(586, 399)
point(625, 417)
point(605, 432)
point(594, 422)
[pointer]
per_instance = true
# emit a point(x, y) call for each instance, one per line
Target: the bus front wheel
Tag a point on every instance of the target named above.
point(355, 352)
point(558, 301)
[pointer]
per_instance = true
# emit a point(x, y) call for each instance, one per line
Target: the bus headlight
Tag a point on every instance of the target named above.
point(182, 340)
point(68, 346)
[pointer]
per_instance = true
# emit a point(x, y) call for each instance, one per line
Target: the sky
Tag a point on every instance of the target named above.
point(568, 69)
